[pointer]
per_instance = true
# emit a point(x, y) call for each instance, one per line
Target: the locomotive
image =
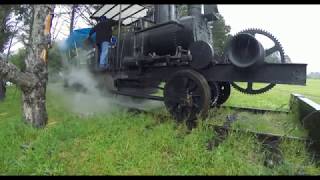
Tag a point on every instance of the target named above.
point(154, 47)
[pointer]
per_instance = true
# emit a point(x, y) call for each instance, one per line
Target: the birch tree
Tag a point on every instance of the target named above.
point(33, 81)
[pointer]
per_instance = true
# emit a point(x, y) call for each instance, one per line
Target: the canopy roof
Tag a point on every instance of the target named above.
point(129, 12)
point(76, 39)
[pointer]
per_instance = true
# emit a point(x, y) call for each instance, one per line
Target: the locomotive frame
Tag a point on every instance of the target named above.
point(178, 52)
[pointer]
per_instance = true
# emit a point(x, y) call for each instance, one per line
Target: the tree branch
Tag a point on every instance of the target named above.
point(11, 73)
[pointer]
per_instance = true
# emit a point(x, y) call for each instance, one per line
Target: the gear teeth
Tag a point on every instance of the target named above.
point(280, 49)
point(254, 92)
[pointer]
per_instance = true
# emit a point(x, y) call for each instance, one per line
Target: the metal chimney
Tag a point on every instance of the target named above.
point(172, 12)
point(194, 10)
point(164, 13)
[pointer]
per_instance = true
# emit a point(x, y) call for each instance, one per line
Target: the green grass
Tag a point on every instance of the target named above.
point(278, 97)
point(125, 143)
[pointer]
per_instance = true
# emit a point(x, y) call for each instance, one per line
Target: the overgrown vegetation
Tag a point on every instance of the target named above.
point(128, 143)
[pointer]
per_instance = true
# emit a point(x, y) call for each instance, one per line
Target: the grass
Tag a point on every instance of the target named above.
point(278, 97)
point(120, 142)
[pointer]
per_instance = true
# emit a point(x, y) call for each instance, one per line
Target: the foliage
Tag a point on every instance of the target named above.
point(18, 59)
point(24, 13)
point(54, 61)
point(273, 58)
point(5, 26)
point(182, 10)
point(220, 35)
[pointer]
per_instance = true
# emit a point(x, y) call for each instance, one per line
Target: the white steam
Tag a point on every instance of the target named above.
point(83, 95)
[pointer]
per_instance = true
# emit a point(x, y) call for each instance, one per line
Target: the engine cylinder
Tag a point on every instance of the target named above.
point(245, 50)
point(164, 39)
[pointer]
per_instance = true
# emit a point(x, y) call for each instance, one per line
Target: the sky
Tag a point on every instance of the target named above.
point(297, 27)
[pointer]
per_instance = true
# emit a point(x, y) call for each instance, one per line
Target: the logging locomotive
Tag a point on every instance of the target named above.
point(154, 47)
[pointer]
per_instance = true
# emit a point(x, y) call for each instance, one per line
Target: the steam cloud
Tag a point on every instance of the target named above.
point(86, 98)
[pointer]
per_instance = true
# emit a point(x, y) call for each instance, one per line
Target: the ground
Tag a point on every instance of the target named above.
point(121, 142)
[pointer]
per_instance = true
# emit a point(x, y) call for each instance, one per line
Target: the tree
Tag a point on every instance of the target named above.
point(25, 14)
point(5, 26)
point(72, 18)
point(33, 80)
point(220, 35)
point(54, 65)
point(18, 59)
point(182, 10)
point(5, 34)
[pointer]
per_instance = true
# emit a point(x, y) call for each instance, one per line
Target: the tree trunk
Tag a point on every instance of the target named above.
point(34, 98)
point(34, 104)
point(2, 90)
point(72, 18)
point(33, 81)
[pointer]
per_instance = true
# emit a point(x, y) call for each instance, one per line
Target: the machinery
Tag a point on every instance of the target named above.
point(156, 48)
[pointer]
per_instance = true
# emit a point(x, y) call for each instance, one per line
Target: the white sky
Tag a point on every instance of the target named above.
point(297, 27)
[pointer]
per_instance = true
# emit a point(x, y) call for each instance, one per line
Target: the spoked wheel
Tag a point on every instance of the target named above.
point(215, 93)
point(187, 96)
point(224, 92)
point(220, 92)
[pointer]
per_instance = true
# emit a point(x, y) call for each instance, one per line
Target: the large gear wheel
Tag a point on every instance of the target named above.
point(276, 48)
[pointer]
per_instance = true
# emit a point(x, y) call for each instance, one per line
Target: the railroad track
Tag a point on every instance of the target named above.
point(269, 141)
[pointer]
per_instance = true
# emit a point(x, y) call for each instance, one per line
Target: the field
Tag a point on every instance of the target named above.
point(110, 140)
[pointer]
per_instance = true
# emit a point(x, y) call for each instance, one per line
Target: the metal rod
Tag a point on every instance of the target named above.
point(130, 16)
point(123, 10)
point(142, 96)
point(254, 110)
point(118, 42)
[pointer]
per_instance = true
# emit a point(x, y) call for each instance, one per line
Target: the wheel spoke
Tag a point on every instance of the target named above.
point(196, 95)
point(196, 106)
point(186, 95)
point(193, 88)
point(275, 48)
point(249, 86)
point(187, 84)
point(252, 33)
point(271, 50)
point(175, 98)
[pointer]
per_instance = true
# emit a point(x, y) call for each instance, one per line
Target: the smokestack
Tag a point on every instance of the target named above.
point(172, 12)
point(164, 13)
point(194, 10)
point(161, 13)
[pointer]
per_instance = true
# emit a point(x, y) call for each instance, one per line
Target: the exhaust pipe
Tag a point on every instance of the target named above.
point(245, 50)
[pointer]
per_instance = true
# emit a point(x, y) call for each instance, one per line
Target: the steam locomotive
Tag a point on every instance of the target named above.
point(154, 47)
